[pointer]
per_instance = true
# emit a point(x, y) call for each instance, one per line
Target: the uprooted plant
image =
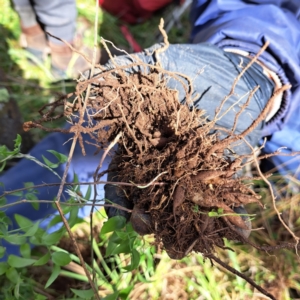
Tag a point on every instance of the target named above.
point(169, 164)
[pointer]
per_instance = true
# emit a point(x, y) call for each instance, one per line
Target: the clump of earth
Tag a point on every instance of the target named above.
point(183, 187)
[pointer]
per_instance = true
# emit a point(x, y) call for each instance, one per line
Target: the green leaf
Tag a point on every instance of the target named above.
point(36, 239)
point(35, 205)
point(113, 296)
point(61, 157)
point(124, 235)
point(124, 293)
point(24, 223)
point(73, 217)
point(113, 224)
point(113, 248)
point(61, 258)
point(3, 200)
point(3, 267)
point(52, 238)
point(6, 220)
point(4, 95)
point(3, 229)
point(42, 260)
point(57, 219)
point(28, 184)
point(19, 262)
point(2, 166)
point(220, 211)
point(17, 194)
point(135, 261)
point(15, 239)
point(25, 250)
point(18, 142)
point(84, 294)
point(88, 193)
point(31, 196)
point(12, 275)
point(2, 251)
point(213, 214)
point(49, 163)
point(33, 229)
point(54, 275)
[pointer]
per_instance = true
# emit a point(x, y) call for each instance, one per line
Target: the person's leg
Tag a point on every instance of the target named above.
point(32, 37)
point(58, 17)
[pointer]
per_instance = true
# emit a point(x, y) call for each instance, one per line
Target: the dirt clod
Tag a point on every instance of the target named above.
point(163, 153)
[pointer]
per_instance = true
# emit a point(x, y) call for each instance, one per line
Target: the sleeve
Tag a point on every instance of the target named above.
point(247, 25)
point(29, 171)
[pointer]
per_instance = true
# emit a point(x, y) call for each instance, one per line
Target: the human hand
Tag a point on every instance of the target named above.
point(212, 72)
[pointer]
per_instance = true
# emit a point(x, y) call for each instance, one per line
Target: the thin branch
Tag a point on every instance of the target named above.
point(235, 272)
point(76, 183)
point(251, 62)
point(66, 204)
point(63, 180)
point(297, 239)
point(77, 250)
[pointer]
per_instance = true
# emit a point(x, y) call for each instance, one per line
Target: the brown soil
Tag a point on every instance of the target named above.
point(168, 143)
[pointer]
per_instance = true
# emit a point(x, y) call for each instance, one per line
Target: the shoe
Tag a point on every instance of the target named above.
point(68, 64)
point(33, 39)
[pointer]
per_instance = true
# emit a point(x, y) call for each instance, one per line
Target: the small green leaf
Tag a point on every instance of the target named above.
point(42, 260)
point(4, 95)
point(113, 224)
point(23, 222)
point(55, 220)
point(52, 238)
point(18, 142)
point(17, 194)
point(220, 211)
point(28, 184)
point(61, 258)
point(35, 205)
point(124, 293)
point(49, 163)
point(3, 229)
point(25, 250)
point(84, 294)
point(15, 239)
point(113, 248)
point(88, 193)
point(3, 267)
point(19, 262)
point(124, 235)
point(12, 275)
point(2, 251)
point(33, 229)
point(213, 214)
point(54, 275)
point(31, 196)
point(3, 200)
point(2, 166)
point(113, 296)
point(73, 217)
point(135, 261)
point(61, 157)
